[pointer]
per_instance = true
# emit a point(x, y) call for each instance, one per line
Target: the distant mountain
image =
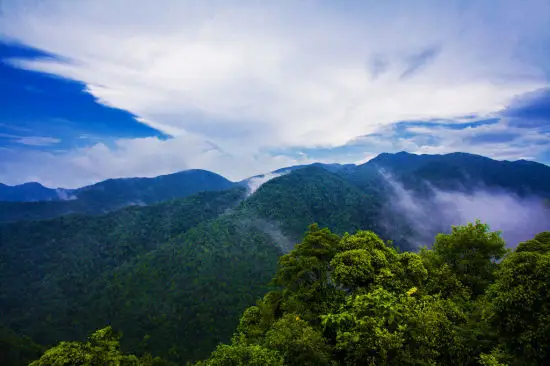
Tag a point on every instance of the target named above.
point(462, 171)
point(32, 192)
point(113, 194)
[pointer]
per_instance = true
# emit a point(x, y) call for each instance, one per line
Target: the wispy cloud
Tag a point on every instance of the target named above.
point(31, 140)
point(518, 218)
point(37, 141)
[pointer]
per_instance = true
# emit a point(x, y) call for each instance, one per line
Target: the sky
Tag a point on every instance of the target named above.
point(97, 89)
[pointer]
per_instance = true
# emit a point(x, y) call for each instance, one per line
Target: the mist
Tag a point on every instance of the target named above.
point(256, 182)
point(518, 218)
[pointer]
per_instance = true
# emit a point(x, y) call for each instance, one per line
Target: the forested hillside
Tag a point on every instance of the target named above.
point(356, 300)
point(32, 192)
point(175, 276)
point(464, 172)
point(176, 270)
point(114, 194)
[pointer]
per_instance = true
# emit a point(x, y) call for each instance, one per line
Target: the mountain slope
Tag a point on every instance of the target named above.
point(51, 270)
point(189, 293)
point(32, 192)
point(313, 194)
point(181, 271)
point(462, 171)
point(113, 194)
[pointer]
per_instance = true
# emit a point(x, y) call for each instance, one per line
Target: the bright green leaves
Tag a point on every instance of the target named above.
point(472, 252)
point(304, 274)
point(241, 354)
point(353, 268)
point(385, 328)
point(102, 349)
point(361, 240)
point(298, 342)
point(520, 305)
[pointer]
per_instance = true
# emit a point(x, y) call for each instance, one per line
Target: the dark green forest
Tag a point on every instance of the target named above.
point(173, 282)
point(355, 299)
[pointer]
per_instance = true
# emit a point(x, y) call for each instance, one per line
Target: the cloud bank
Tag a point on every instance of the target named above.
point(279, 75)
point(518, 218)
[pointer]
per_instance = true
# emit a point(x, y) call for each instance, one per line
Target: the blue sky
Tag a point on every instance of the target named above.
point(96, 89)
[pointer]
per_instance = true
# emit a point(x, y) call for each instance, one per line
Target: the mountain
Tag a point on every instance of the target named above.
point(175, 276)
point(180, 272)
point(113, 194)
point(462, 171)
point(32, 192)
point(55, 271)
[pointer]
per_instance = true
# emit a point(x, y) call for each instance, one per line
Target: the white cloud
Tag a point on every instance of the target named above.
point(283, 74)
point(37, 141)
point(31, 140)
point(256, 182)
point(146, 157)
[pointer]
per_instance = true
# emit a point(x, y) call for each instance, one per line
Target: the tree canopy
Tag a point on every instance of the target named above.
point(355, 299)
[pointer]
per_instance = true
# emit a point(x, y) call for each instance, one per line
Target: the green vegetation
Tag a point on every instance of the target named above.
point(181, 271)
point(312, 194)
point(58, 275)
point(356, 300)
point(177, 279)
point(114, 194)
point(17, 350)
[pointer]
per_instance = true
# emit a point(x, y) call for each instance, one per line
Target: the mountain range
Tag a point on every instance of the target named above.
point(173, 261)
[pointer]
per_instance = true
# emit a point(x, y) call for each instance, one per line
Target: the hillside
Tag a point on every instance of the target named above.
point(175, 276)
point(461, 171)
point(113, 194)
point(174, 266)
point(32, 192)
point(51, 269)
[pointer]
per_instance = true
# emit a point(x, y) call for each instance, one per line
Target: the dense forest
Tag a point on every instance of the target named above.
point(174, 277)
point(355, 299)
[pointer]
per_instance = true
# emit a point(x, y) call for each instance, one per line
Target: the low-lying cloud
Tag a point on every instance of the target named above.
point(518, 218)
point(256, 182)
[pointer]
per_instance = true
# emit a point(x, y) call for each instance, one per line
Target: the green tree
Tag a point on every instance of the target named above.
point(242, 354)
point(304, 275)
point(520, 304)
point(472, 252)
point(298, 342)
point(102, 348)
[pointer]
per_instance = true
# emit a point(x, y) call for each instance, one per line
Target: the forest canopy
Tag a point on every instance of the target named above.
point(355, 299)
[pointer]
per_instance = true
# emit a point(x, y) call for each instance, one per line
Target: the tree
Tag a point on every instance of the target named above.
point(102, 348)
point(298, 342)
point(520, 305)
point(242, 354)
point(304, 275)
point(472, 252)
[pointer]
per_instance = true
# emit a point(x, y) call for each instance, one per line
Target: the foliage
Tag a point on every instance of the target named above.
point(520, 302)
point(102, 348)
point(471, 252)
point(62, 278)
point(174, 277)
point(17, 350)
point(356, 300)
